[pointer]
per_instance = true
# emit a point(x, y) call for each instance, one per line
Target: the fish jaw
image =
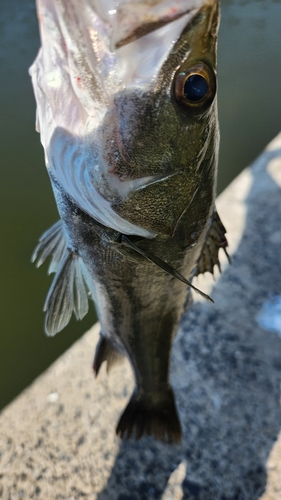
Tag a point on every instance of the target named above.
point(134, 19)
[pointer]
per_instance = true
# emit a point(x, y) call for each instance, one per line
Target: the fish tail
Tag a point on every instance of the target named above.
point(105, 352)
point(145, 417)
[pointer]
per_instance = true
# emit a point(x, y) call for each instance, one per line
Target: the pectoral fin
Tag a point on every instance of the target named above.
point(67, 294)
point(69, 289)
point(216, 239)
point(52, 242)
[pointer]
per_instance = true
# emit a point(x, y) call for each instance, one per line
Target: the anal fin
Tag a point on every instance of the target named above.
point(216, 239)
point(105, 352)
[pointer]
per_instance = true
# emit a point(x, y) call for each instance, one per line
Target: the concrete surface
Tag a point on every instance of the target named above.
point(57, 439)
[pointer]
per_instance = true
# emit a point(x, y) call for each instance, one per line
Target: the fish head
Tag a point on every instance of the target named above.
point(166, 126)
point(127, 111)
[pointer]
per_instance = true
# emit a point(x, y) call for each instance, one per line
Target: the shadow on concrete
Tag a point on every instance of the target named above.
point(226, 371)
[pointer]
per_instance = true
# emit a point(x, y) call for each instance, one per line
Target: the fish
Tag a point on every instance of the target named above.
point(126, 97)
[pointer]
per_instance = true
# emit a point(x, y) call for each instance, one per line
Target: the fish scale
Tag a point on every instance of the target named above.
point(131, 147)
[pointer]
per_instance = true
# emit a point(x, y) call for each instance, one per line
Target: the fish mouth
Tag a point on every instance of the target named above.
point(146, 37)
point(147, 28)
point(130, 24)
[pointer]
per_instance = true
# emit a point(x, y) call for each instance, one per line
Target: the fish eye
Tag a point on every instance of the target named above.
point(194, 88)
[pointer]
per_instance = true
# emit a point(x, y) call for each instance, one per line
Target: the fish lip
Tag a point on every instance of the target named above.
point(128, 21)
point(148, 27)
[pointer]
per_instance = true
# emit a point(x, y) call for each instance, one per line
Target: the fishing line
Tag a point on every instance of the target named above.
point(164, 266)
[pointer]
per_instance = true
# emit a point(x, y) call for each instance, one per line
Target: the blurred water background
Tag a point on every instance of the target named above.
point(250, 116)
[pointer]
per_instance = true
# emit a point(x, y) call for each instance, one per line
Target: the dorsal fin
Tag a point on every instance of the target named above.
point(216, 239)
point(52, 242)
point(68, 293)
point(163, 265)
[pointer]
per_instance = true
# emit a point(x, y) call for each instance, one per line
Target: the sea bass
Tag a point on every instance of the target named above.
point(127, 112)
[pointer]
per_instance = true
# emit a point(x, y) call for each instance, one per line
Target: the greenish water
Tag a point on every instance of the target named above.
point(249, 109)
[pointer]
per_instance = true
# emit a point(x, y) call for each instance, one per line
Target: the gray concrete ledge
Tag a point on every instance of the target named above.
point(57, 439)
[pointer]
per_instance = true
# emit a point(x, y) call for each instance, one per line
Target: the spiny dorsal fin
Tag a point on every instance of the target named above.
point(216, 239)
point(52, 242)
point(163, 265)
point(68, 293)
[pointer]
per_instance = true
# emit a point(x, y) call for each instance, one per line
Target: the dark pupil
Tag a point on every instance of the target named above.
point(195, 88)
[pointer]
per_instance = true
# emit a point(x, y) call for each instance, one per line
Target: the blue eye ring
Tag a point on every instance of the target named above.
point(194, 88)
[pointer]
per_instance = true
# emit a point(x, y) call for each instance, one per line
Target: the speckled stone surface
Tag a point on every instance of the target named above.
point(57, 439)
